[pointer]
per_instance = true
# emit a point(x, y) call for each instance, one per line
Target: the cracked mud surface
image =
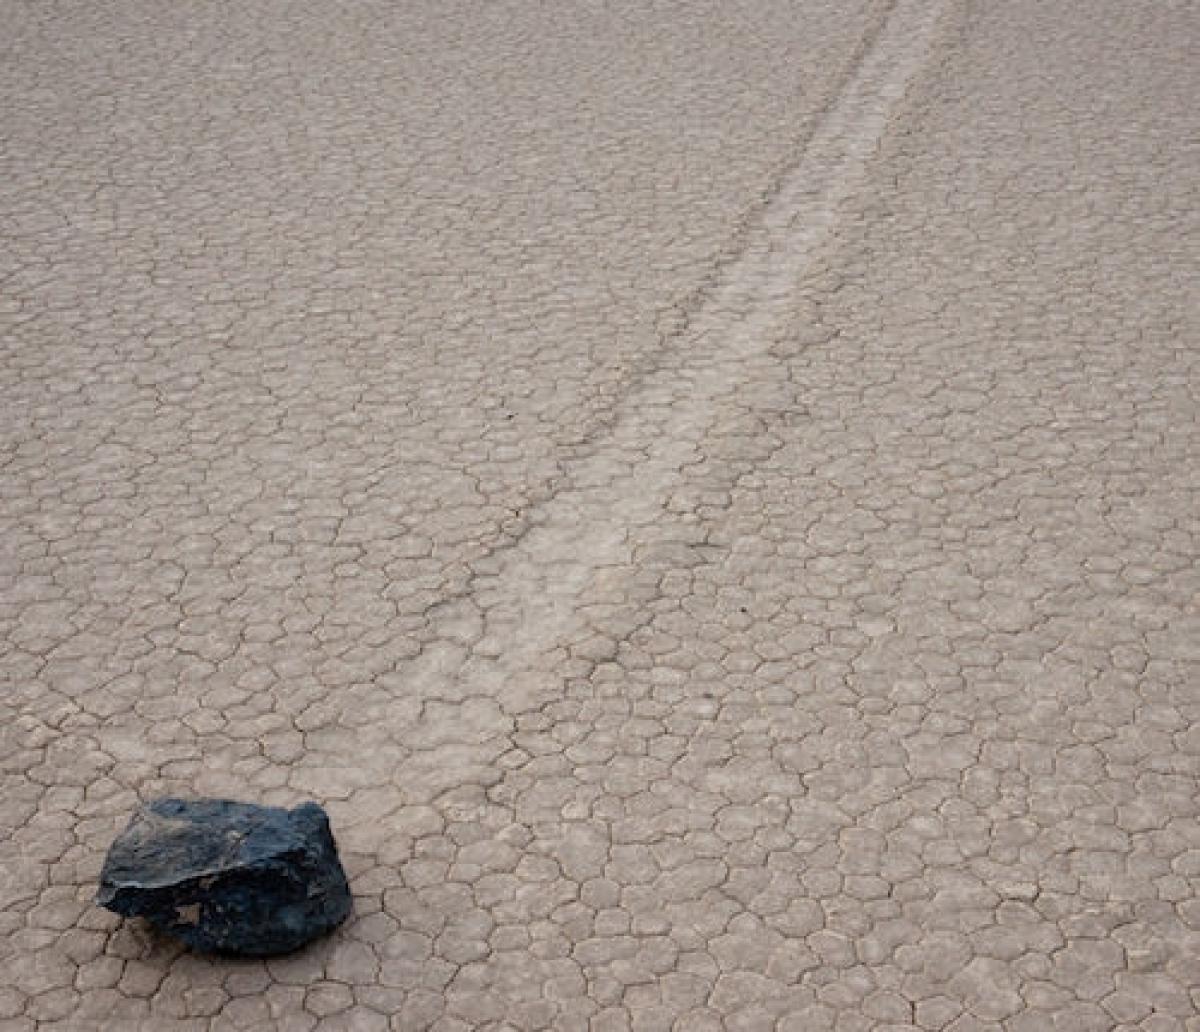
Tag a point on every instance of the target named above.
point(705, 495)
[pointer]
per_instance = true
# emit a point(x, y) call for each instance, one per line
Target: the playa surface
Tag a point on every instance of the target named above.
point(705, 494)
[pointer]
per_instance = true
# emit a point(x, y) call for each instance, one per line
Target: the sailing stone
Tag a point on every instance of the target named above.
point(228, 877)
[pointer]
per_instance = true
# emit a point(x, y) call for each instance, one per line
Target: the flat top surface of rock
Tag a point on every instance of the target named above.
point(173, 840)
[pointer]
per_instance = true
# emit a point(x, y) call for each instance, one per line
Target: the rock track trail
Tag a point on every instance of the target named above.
point(695, 421)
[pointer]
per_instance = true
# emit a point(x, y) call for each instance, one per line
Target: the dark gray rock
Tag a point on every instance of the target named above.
point(228, 877)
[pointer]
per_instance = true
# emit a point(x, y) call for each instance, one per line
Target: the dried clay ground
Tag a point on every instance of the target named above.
point(705, 492)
